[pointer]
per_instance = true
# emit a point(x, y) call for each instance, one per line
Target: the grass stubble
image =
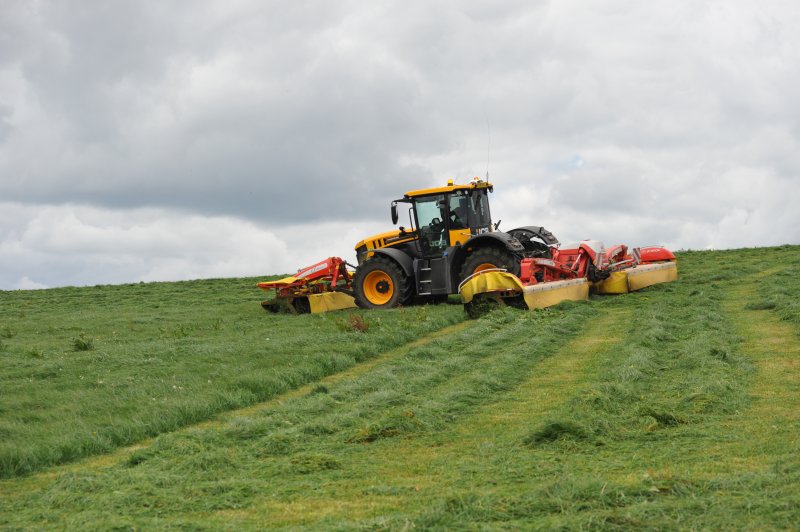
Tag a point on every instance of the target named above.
point(675, 407)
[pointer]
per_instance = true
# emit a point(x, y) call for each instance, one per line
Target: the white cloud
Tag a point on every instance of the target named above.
point(81, 245)
point(220, 140)
point(27, 284)
point(63, 245)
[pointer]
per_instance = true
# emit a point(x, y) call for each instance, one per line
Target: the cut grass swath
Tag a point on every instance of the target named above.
point(668, 408)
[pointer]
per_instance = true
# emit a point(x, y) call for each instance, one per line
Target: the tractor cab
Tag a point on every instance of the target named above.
point(447, 216)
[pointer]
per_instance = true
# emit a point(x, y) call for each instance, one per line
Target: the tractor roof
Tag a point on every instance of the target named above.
point(450, 187)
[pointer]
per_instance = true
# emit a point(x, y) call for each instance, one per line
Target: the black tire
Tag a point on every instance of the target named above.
point(495, 256)
point(380, 283)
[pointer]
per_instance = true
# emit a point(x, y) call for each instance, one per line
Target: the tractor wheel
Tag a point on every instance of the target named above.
point(380, 283)
point(490, 257)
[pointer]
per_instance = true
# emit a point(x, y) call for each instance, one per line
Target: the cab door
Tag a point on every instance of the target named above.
point(431, 217)
point(458, 217)
point(480, 219)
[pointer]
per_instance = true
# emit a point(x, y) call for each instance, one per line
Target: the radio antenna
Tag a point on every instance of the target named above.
point(488, 146)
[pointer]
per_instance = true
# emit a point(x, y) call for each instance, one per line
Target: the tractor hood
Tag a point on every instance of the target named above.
point(385, 239)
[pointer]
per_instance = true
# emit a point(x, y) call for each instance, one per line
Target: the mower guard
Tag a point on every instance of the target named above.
point(328, 301)
point(495, 281)
point(506, 286)
point(638, 277)
point(545, 295)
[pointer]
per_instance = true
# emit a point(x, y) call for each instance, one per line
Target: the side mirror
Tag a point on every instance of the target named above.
point(394, 213)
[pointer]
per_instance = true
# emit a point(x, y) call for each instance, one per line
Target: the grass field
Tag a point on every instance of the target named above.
point(185, 405)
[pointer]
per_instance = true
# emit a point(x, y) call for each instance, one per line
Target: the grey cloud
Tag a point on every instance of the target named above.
point(80, 245)
point(320, 119)
point(5, 125)
point(315, 112)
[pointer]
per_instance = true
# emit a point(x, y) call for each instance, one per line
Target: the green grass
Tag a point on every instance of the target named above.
point(86, 370)
point(675, 407)
point(778, 291)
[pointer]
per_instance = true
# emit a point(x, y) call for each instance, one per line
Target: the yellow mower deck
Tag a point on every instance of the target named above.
point(328, 301)
point(548, 294)
point(638, 277)
point(501, 285)
point(310, 303)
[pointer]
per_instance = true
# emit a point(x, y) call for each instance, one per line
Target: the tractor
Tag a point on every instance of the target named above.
point(451, 246)
point(449, 238)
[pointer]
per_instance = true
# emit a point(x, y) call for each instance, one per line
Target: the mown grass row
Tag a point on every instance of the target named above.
point(773, 273)
point(659, 439)
point(778, 290)
point(315, 460)
point(87, 370)
point(656, 430)
point(651, 441)
point(336, 433)
point(679, 365)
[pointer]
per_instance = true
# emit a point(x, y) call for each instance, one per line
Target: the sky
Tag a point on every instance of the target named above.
point(167, 140)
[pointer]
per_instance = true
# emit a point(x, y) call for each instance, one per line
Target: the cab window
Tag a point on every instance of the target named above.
point(459, 210)
point(479, 209)
point(431, 213)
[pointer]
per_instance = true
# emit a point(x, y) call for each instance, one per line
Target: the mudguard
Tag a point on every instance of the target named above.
point(399, 257)
point(508, 241)
point(534, 231)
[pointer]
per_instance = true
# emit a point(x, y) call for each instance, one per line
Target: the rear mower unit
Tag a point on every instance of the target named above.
point(569, 275)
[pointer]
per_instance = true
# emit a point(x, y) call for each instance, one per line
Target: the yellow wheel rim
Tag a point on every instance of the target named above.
point(483, 266)
point(378, 287)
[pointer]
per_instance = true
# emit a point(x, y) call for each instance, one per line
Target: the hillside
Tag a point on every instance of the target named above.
point(184, 404)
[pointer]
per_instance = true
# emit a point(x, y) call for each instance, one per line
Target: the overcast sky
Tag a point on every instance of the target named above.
point(160, 140)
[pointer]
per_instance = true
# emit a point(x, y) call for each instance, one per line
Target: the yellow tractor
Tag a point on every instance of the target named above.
point(452, 247)
point(450, 237)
